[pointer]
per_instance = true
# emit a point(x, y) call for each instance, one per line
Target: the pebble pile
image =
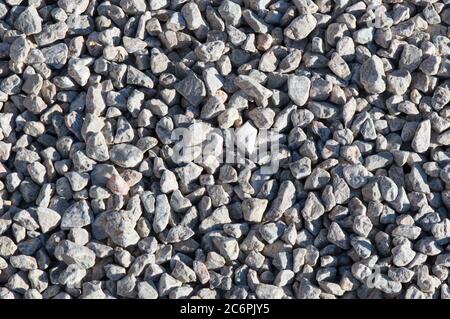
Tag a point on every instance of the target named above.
point(355, 92)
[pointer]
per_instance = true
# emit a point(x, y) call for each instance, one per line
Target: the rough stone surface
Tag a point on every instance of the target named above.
point(236, 149)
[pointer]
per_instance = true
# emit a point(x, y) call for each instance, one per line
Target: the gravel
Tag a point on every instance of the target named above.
point(224, 149)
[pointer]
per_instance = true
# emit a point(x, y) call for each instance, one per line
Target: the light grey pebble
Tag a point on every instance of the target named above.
point(126, 155)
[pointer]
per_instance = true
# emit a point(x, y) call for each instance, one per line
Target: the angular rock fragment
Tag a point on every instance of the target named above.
point(234, 149)
point(192, 89)
point(372, 75)
point(300, 27)
point(298, 89)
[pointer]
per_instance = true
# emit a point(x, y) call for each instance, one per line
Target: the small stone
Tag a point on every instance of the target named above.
point(210, 52)
point(29, 21)
point(118, 185)
point(339, 67)
point(138, 78)
point(126, 155)
point(192, 89)
point(217, 218)
point(265, 291)
point(253, 209)
point(422, 137)
point(179, 233)
point(372, 75)
point(55, 55)
point(77, 215)
point(7, 247)
point(230, 12)
point(301, 168)
point(317, 179)
point(162, 213)
point(96, 147)
point(252, 88)
point(192, 15)
point(119, 225)
point(298, 89)
point(356, 175)
point(48, 219)
point(411, 58)
point(23, 262)
point(398, 81)
point(337, 236)
point(228, 247)
point(146, 290)
point(78, 181)
point(402, 255)
point(313, 208)
point(300, 27)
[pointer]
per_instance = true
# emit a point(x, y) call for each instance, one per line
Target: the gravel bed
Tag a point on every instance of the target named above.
point(224, 149)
